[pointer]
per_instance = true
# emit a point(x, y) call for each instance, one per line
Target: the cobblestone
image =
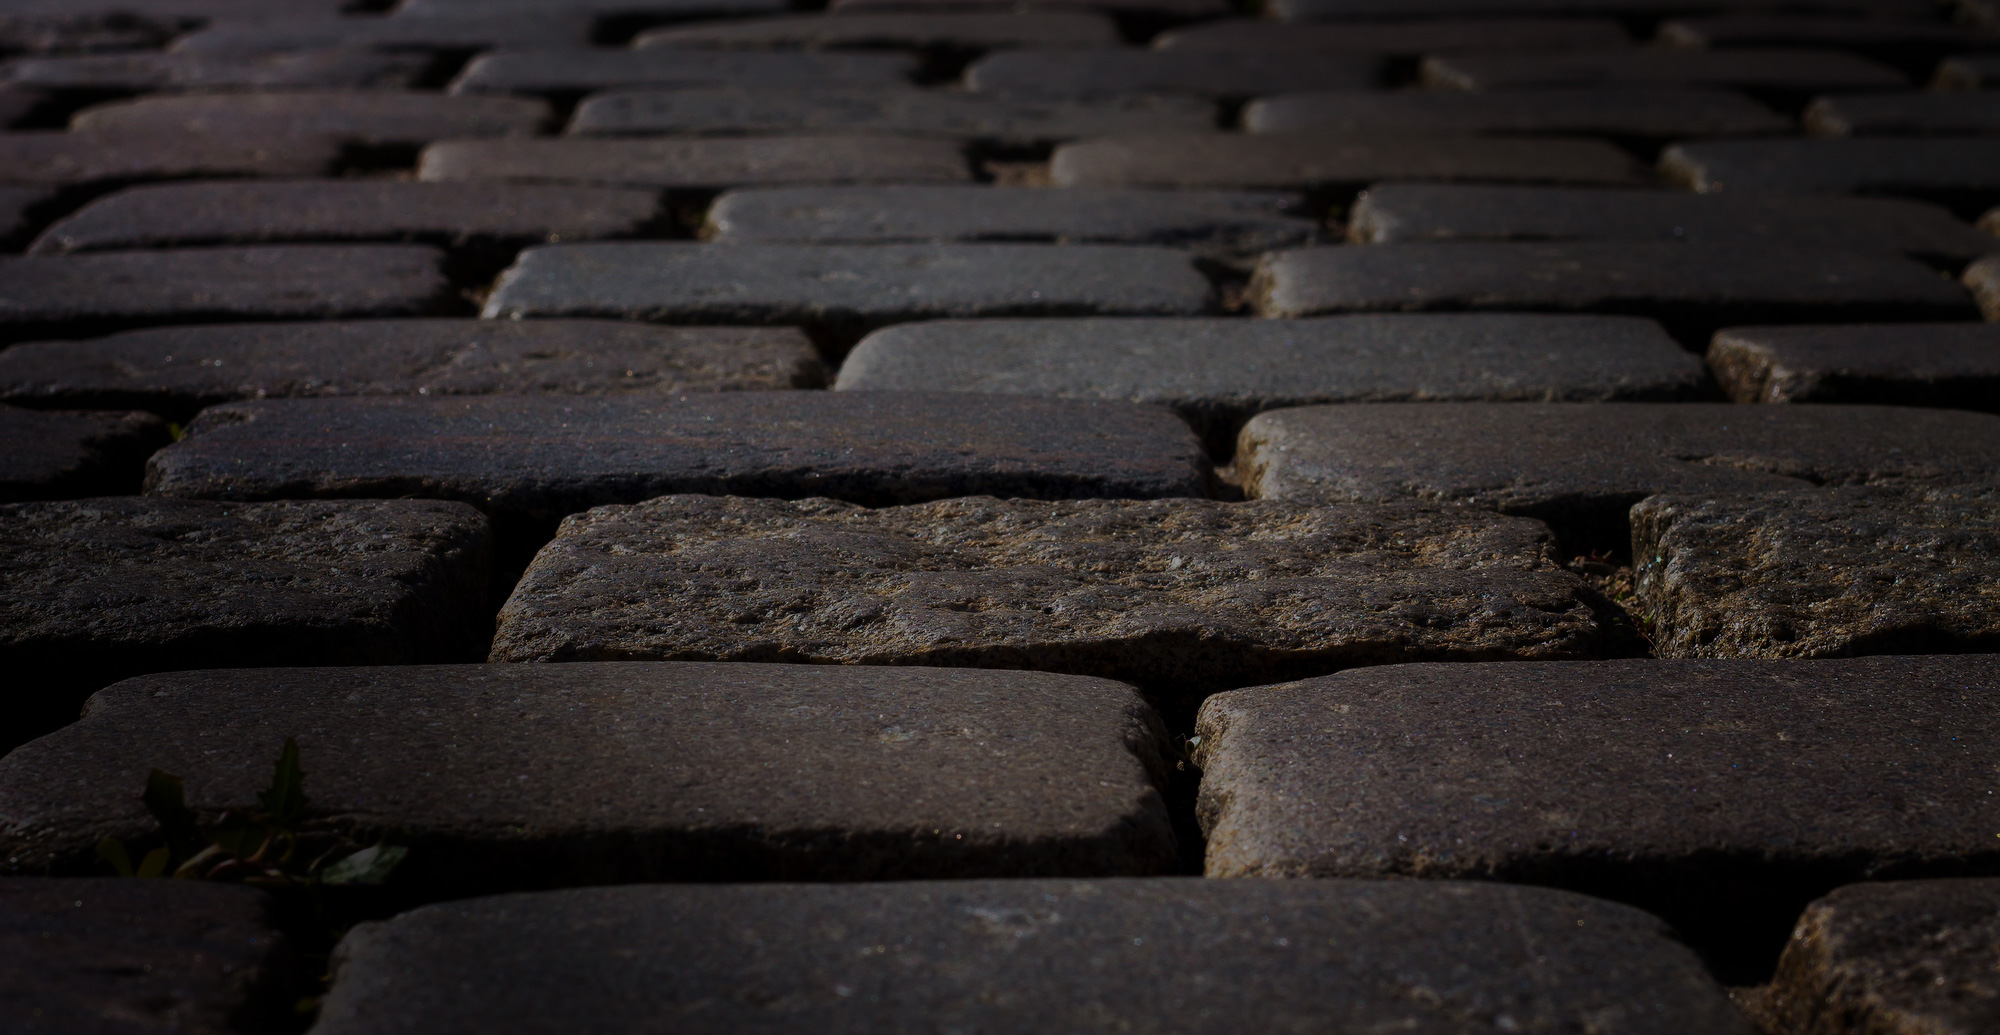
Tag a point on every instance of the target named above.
point(1972, 72)
point(549, 71)
point(1951, 365)
point(698, 164)
point(1208, 73)
point(1007, 121)
point(71, 159)
point(1039, 29)
point(1901, 957)
point(1403, 39)
point(52, 456)
point(1885, 114)
point(1292, 161)
point(1796, 71)
point(261, 36)
point(1983, 278)
point(284, 70)
point(1862, 166)
point(1616, 112)
point(372, 117)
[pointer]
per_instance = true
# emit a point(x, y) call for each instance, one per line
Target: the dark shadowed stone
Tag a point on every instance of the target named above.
point(1240, 222)
point(1580, 467)
point(16, 102)
point(1292, 161)
point(633, 773)
point(63, 294)
point(88, 26)
point(319, 69)
point(665, 10)
point(175, 371)
point(1969, 73)
point(53, 456)
point(1007, 120)
point(1164, 9)
point(93, 591)
point(374, 117)
point(1983, 277)
point(1180, 597)
point(1337, 10)
point(471, 32)
point(1400, 212)
point(1219, 373)
point(1899, 958)
point(1792, 71)
point(1819, 572)
point(1921, 167)
point(954, 31)
point(1889, 114)
point(557, 71)
point(65, 159)
point(1616, 112)
point(136, 957)
point(1990, 222)
point(455, 214)
point(1721, 795)
point(18, 207)
point(1404, 39)
point(1201, 957)
point(1952, 365)
point(1212, 73)
point(699, 164)
point(1912, 43)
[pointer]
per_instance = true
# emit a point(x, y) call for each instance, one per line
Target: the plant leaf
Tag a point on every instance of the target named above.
point(365, 868)
point(238, 837)
point(285, 802)
point(166, 799)
point(155, 862)
point(192, 867)
point(112, 851)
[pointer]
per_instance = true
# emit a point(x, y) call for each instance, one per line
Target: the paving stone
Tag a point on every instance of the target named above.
point(1789, 70)
point(176, 371)
point(665, 9)
point(635, 772)
point(101, 589)
point(18, 208)
point(1158, 955)
point(1983, 277)
point(1180, 597)
point(471, 32)
point(1878, 36)
point(146, 71)
point(1722, 796)
point(1887, 114)
point(1403, 212)
point(698, 164)
point(44, 295)
point(1919, 167)
point(1218, 373)
point(1580, 467)
point(1403, 39)
point(1900, 958)
point(569, 71)
point(1951, 365)
point(1615, 112)
point(1291, 161)
point(1990, 222)
point(68, 159)
point(1167, 9)
point(461, 214)
point(370, 117)
point(139, 956)
point(1013, 121)
point(1972, 72)
point(76, 26)
point(1212, 73)
point(1227, 221)
point(1043, 29)
point(52, 456)
point(1339, 10)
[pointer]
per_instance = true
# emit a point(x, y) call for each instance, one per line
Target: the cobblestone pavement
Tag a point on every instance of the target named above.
point(1354, 516)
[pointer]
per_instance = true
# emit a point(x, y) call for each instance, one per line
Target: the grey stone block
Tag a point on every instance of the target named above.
point(1005, 120)
point(980, 31)
point(53, 456)
point(633, 773)
point(1722, 796)
point(1293, 161)
point(662, 9)
point(703, 164)
point(563, 71)
point(1778, 69)
point(1338, 10)
point(1182, 955)
point(1912, 167)
point(468, 32)
point(1890, 114)
point(372, 117)
point(1900, 957)
point(1209, 73)
point(1165, 9)
point(1950, 365)
point(1969, 72)
point(1983, 278)
point(1613, 112)
point(1401, 38)
point(1912, 40)
point(146, 71)
point(69, 159)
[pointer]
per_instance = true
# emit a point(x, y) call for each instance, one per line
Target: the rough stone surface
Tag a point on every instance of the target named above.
point(699, 164)
point(460, 214)
point(1921, 167)
point(634, 772)
point(1887, 38)
point(374, 117)
point(1282, 161)
point(1722, 796)
point(1399, 212)
point(1615, 112)
point(151, 70)
point(1972, 72)
point(1901, 958)
point(1887, 114)
point(1819, 573)
point(1181, 597)
point(175, 371)
point(662, 9)
point(469, 32)
point(1158, 955)
point(1581, 467)
point(1951, 365)
point(1211, 73)
point(93, 591)
point(1234, 221)
point(1007, 120)
point(52, 456)
point(1403, 39)
point(1983, 278)
point(1043, 29)
point(1794, 71)
point(138, 957)
point(1338, 10)
point(1193, 10)
point(549, 71)
point(65, 159)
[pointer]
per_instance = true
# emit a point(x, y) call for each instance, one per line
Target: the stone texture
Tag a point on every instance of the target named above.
point(69, 159)
point(1005, 120)
point(466, 215)
point(1983, 278)
point(1337, 10)
point(1292, 161)
point(52, 456)
point(1403, 212)
point(1403, 39)
point(634, 772)
point(93, 591)
point(707, 164)
point(1919, 167)
point(661, 9)
point(176, 371)
point(1912, 42)
point(1155, 955)
point(1241, 222)
point(1581, 467)
point(1219, 373)
point(1210, 73)
point(372, 117)
point(1951, 365)
point(63, 294)
point(1787, 70)
point(1901, 958)
point(1819, 573)
point(1722, 796)
point(1970, 72)
point(146, 71)
point(550, 71)
point(138, 956)
point(1614, 112)
point(469, 32)
point(1170, 10)
point(1041, 29)
point(1888, 114)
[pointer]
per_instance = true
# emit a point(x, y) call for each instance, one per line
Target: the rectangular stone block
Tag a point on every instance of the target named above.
point(1225, 221)
point(151, 70)
point(176, 371)
point(1209, 73)
point(707, 164)
point(1218, 373)
point(1168, 10)
point(365, 116)
point(1983, 278)
point(1581, 467)
point(1781, 70)
point(468, 32)
point(1406, 212)
point(971, 31)
point(1004, 120)
point(1623, 112)
point(71, 159)
point(1407, 39)
point(1901, 956)
point(64, 455)
point(633, 772)
point(581, 70)
point(1339, 10)
point(1722, 796)
point(1892, 114)
point(1968, 72)
point(1949, 365)
point(669, 10)
point(1882, 37)
point(1200, 957)
point(1294, 161)
point(94, 591)
point(1948, 169)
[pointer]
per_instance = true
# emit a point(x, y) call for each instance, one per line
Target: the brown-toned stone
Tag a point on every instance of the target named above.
point(1786, 70)
point(284, 70)
point(1895, 114)
point(53, 456)
point(1293, 161)
point(1970, 72)
point(363, 116)
point(1209, 73)
point(1624, 112)
point(1016, 121)
point(983, 31)
point(1900, 958)
point(1983, 279)
point(1918, 364)
point(67, 159)
point(699, 164)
